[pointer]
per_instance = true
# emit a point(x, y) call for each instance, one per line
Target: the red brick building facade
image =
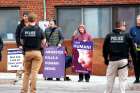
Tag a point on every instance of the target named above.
point(24, 5)
point(51, 4)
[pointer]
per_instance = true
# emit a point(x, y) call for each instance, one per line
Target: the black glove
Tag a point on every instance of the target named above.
point(106, 61)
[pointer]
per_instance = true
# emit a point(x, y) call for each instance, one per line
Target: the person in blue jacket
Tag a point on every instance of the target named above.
point(135, 34)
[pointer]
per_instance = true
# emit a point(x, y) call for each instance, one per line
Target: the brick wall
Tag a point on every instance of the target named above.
point(35, 6)
point(51, 11)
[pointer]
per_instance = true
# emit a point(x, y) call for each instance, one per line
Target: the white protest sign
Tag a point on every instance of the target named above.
point(15, 59)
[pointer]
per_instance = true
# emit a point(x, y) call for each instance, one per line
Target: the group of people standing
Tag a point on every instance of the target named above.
point(31, 39)
point(116, 49)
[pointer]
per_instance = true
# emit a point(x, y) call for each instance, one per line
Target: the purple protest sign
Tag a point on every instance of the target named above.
point(88, 45)
point(54, 62)
point(82, 56)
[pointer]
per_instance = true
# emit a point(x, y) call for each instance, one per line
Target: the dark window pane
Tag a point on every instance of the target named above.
point(69, 19)
point(8, 22)
point(98, 21)
point(125, 13)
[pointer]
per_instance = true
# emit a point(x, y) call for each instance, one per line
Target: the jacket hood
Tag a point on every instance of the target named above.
point(83, 27)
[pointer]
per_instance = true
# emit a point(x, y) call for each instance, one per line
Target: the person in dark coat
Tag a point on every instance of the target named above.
point(1, 47)
point(32, 39)
point(54, 37)
point(20, 26)
point(24, 22)
point(116, 49)
point(135, 35)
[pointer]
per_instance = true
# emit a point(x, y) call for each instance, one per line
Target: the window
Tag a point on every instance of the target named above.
point(8, 22)
point(127, 14)
point(98, 20)
point(69, 19)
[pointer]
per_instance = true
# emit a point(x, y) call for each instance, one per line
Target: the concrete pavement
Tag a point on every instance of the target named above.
point(96, 85)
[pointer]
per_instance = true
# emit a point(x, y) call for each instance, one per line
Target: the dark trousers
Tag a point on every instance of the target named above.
point(137, 66)
point(82, 76)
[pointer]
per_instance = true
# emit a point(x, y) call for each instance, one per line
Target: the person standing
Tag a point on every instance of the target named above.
point(1, 47)
point(116, 48)
point(82, 35)
point(32, 39)
point(54, 37)
point(20, 26)
point(135, 34)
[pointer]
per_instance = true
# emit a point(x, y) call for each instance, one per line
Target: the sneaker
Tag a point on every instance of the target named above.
point(57, 79)
point(80, 80)
point(49, 79)
point(45, 78)
point(67, 79)
point(20, 76)
point(23, 91)
point(87, 80)
point(136, 81)
point(15, 80)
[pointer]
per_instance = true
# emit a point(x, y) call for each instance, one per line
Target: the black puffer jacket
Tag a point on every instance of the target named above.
point(18, 31)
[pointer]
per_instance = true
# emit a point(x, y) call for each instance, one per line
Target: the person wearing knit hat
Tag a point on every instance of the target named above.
point(83, 58)
point(22, 24)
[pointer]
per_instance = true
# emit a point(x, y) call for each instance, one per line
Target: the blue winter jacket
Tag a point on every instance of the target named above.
point(135, 34)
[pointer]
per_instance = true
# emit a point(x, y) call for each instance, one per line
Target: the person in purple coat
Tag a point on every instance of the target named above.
point(82, 35)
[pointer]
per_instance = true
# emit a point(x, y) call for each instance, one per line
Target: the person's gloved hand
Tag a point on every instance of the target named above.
point(106, 61)
point(59, 45)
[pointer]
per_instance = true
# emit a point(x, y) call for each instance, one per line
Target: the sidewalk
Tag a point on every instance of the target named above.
point(96, 85)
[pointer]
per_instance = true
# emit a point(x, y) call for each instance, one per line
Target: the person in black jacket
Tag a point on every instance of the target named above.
point(20, 26)
point(116, 49)
point(1, 47)
point(32, 40)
